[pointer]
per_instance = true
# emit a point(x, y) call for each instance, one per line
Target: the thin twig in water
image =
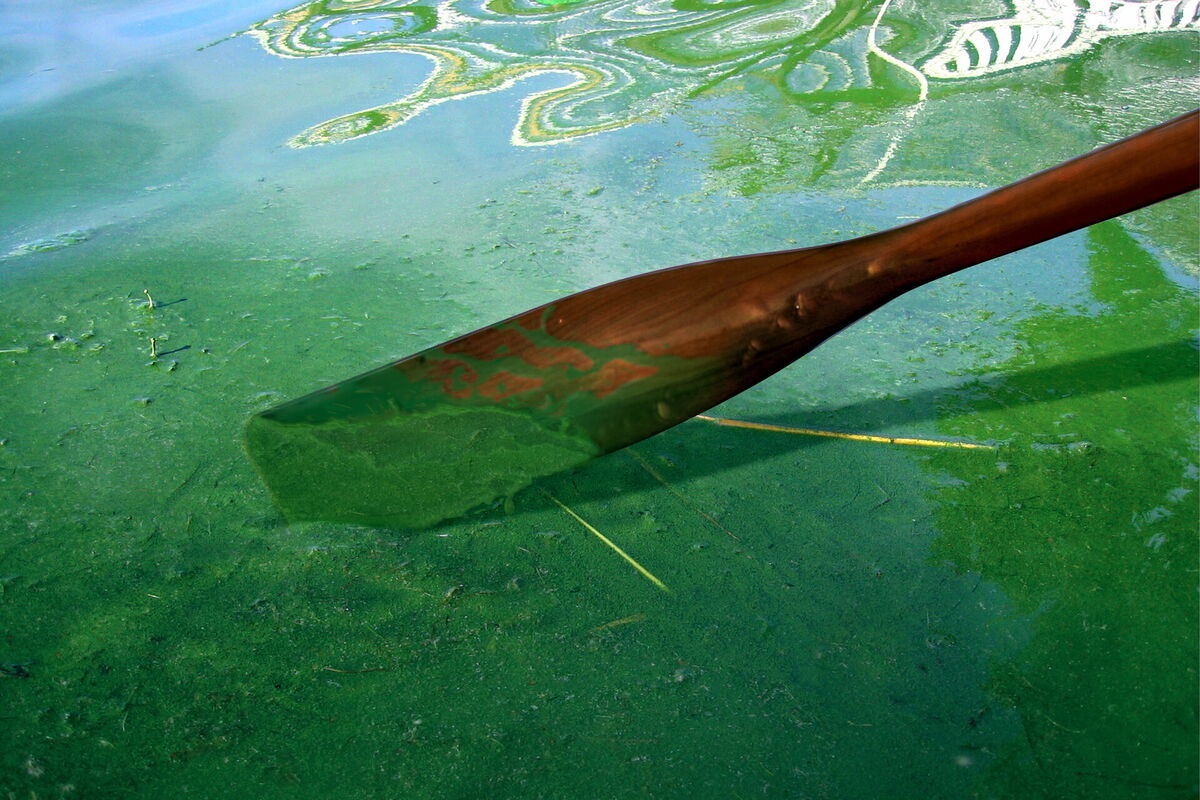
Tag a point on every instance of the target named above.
point(618, 622)
point(650, 577)
point(858, 437)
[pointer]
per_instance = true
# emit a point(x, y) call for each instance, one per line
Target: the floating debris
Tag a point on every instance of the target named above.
point(618, 622)
point(51, 243)
point(858, 437)
point(650, 577)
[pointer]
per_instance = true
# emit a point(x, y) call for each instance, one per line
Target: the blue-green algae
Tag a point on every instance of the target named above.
point(1084, 520)
point(847, 620)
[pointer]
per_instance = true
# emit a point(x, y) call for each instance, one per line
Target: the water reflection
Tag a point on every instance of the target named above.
point(630, 61)
point(1048, 30)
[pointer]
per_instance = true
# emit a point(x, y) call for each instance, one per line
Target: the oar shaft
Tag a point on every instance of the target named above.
point(1151, 166)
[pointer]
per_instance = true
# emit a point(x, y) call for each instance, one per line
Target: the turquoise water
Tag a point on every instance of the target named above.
point(845, 618)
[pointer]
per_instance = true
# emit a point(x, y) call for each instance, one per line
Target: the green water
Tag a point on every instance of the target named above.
point(846, 618)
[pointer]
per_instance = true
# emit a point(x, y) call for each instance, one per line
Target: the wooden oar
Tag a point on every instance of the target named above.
point(478, 418)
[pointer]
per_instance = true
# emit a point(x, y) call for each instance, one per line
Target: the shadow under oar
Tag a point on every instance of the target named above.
point(1128, 369)
point(703, 449)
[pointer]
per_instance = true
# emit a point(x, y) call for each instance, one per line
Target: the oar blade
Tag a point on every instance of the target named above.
point(460, 425)
point(463, 424)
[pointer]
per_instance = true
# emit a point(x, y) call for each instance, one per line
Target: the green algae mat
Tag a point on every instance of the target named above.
point(208, 208)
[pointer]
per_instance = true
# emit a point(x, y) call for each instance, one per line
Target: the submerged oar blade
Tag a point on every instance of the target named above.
point(407, 469)
point(479, 418)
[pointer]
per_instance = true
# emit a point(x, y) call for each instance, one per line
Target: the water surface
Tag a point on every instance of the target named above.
point(343, 183)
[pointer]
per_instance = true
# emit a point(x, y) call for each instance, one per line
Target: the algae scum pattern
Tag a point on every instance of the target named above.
point(630, 60)
point(165, 633)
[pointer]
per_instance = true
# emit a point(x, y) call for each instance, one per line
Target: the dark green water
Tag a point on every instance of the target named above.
point(845, 618)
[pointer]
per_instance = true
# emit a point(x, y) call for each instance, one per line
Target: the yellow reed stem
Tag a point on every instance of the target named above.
point(858, 437)
point(650, 577)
